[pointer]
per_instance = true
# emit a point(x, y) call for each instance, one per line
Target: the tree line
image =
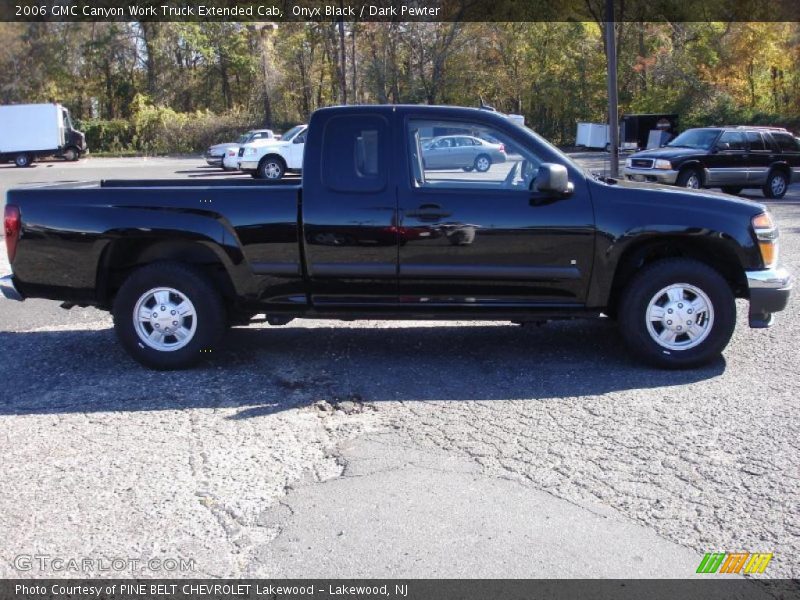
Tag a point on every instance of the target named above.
point(173, 86)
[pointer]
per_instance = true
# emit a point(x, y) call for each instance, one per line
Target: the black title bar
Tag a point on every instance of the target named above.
point(397, 10)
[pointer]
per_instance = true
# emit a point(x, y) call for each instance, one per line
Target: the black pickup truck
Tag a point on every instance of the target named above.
point(379, 230)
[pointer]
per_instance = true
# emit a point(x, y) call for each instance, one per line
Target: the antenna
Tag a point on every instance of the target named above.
point(485, 106)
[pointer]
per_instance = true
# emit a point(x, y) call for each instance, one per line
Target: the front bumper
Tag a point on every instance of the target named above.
point(214, 161)
point(769, 293)
point(667, 176)
point(9, 290)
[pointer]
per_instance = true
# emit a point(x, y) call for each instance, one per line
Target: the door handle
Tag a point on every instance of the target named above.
point(429, 212)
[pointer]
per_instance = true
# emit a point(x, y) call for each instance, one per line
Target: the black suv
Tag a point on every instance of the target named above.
point(731, 158)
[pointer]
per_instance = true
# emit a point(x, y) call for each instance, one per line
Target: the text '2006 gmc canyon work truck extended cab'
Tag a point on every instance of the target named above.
point(380, 228)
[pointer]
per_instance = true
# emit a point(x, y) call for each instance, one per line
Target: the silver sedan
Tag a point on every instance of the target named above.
point(462, 152)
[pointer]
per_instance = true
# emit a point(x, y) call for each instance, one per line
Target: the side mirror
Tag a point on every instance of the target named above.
point(723, 146)
point(553, 178)
point(300, 139)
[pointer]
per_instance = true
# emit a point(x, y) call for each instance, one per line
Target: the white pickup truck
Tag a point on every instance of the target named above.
point(271, 159)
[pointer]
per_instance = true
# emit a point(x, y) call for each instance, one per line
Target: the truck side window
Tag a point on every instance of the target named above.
point(734, 139)
point(460, 154)
point(786, 142)
point(355, 153)
point(756, 142)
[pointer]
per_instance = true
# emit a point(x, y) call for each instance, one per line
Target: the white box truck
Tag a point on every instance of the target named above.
point(30, 131)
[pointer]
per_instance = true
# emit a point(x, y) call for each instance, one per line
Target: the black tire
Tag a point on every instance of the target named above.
point(776, 184)
point(23, 160)
point(687, 177)
point(647, 284)
point(731, 189)
point(482, 163)
point(272, 168)
point(71, 154)
point(209, 313)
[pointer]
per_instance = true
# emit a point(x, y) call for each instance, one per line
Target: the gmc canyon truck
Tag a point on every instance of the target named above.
point(372, 232)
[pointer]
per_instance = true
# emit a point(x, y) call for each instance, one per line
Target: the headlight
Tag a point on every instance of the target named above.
point(628, 162)
point(767, 235)
point(249, 151)
point(662, 164)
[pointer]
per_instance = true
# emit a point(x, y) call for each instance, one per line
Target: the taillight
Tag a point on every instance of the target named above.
point(12, 227)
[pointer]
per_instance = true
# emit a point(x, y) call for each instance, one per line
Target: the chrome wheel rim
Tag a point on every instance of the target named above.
point(272, 170)
point(679, 316)
point(483, 164)
point(693, 182)
point(164, 319)
point(778, 185)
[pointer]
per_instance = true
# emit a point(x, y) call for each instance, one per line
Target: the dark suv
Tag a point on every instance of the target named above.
point(731, 158)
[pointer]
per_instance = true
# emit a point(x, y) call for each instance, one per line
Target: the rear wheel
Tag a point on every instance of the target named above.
point(23, 160)
point(690, 178)
point(732, 190)
point(776, 184)
point(168, 316)
point(677, 313)
point(271, 167)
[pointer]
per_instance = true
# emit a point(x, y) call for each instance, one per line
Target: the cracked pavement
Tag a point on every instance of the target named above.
point(398, 448)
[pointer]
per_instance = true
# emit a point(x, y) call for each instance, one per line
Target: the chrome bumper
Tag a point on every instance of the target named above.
point(769, 293)
point(651, 175)
point(9, 289)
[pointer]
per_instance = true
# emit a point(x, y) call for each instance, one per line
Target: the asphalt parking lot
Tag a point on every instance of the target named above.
point(393, 449)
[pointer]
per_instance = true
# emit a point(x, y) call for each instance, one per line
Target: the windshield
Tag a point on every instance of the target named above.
point(67, 120)
point(287, 137)
point(244, 138)
point(695, 138)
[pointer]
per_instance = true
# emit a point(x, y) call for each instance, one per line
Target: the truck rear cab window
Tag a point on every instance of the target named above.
point(355, 153)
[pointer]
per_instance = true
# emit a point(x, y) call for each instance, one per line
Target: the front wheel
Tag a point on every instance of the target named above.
point(776, 184)
point(677, 313)
point(272, 168)
point(689, 178)
point(168, 316)
point(71, 154)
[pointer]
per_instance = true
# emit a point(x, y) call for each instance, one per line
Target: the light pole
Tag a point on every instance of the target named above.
point(613, 110)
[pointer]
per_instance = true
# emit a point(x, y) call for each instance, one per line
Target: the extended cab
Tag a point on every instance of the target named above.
point(372, 232)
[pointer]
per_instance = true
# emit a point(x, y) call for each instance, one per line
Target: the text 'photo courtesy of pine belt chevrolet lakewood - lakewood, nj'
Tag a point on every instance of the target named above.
point(406, 212)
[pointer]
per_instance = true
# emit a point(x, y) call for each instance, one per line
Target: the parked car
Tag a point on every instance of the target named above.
point(462, 152)
point(215, 154)
point(30, 131)
point(177, 261)
point(272, 160)
point(232, 157)
point(731, 158)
